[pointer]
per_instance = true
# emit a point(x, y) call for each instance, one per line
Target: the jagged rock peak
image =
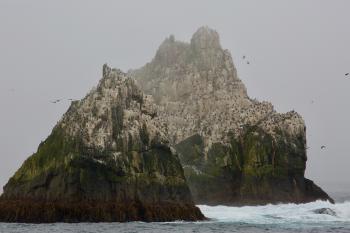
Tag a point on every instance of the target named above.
point(205, 38)
point(116, 98)
point(182, 70)
point(105, 70)
point(171, 52)
point(204, 51)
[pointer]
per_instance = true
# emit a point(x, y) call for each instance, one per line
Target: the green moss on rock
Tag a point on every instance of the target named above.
point(255, 168)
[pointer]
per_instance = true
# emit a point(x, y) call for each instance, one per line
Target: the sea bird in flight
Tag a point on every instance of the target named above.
point(56, 101)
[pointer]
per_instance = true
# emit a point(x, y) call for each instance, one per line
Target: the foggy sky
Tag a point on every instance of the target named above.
point(299, 52)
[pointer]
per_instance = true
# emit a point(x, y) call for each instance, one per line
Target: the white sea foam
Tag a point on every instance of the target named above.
point(279, 214)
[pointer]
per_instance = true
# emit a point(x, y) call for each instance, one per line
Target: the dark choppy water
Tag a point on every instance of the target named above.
point(253, 219)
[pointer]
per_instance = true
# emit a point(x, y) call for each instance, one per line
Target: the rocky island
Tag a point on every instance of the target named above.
point(150, 144)
point(235, 150)
point(105, 160)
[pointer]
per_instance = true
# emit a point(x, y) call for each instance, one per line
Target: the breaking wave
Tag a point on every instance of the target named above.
point(281, 213)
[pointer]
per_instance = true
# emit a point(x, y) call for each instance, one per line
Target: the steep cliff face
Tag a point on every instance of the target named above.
point(234, 150)
point(105, 160)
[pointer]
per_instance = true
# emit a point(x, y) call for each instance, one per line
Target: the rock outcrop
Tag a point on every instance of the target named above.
point(327, 211)
point(105, 160)
point(235, 150)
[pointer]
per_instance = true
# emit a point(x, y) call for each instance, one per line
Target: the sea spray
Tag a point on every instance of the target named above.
point(279, 213)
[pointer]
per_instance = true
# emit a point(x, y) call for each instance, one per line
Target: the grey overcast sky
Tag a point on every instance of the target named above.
point(299, 53)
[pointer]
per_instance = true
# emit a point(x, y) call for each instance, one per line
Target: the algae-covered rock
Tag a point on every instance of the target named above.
point(327, 211)
point(255, 168)
point(234, 149)
point(105, 160)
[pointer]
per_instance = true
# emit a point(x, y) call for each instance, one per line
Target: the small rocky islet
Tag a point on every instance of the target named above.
point(150, 144)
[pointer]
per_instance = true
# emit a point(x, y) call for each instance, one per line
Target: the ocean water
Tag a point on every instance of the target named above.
point(253, 219)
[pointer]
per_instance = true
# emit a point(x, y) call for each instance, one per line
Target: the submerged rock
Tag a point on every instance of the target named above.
point(235, 150)
point(105, 160)
point(327, 211)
